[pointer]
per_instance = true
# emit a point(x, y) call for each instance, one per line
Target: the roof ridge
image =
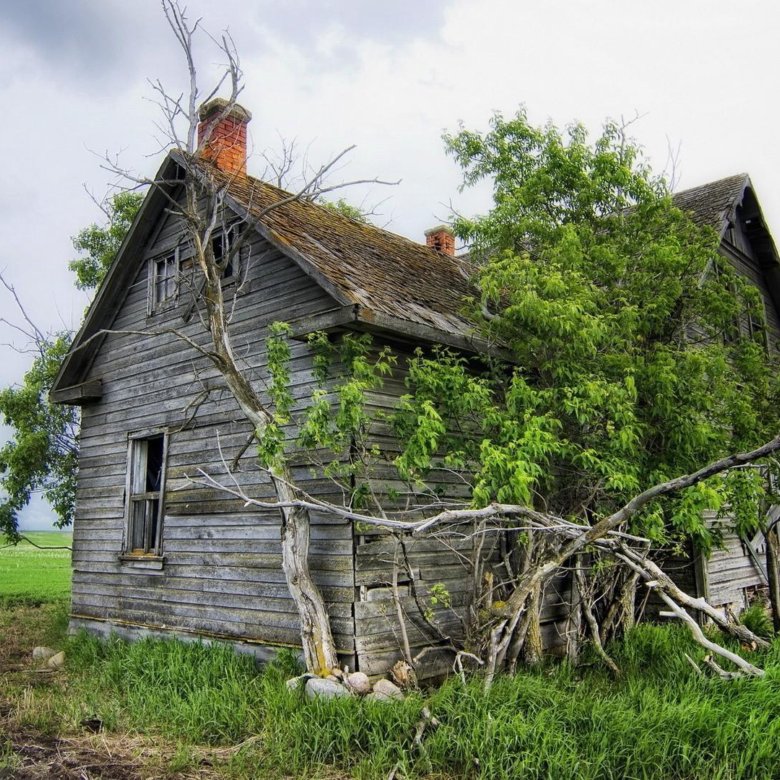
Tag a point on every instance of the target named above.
point(713, 183)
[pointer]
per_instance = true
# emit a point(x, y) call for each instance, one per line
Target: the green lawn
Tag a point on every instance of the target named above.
point(30, 573)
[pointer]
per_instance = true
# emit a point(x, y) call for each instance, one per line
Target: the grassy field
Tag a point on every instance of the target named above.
point(30, 573)
point(169, 709)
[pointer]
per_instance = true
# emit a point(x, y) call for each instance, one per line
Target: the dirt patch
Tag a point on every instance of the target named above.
point(94, 757)
point(38, 757)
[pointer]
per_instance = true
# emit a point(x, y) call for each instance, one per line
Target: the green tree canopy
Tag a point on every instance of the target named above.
point(98, 244)
point(619, 319)
point(42, 452)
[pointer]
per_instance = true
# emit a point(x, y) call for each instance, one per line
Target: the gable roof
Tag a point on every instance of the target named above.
point(713, 204)
point(729, 203)
point(381, 280)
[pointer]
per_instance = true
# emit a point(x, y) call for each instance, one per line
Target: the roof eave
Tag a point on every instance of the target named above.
point(357, 317)
point(97, 319)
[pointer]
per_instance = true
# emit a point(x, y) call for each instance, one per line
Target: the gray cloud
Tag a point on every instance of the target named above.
point(92, 40)
point(100, 42)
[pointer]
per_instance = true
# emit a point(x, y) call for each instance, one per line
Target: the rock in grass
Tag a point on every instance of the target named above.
point(56, 661)
point(384, 690)
point(358, 682)
point(42, 653)
point(325, 689)
point(296, 682)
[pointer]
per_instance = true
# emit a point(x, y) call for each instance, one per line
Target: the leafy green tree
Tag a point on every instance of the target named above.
point(623, 365)
point(99, 244)
point(617, 314)
point(42, 452)
point(346, 209)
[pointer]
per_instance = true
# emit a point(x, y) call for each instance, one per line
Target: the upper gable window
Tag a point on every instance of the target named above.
point(164, 280)
point(222, 243)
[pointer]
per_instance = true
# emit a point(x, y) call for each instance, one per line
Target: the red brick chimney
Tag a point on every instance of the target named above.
point(222, 135)
point(442, 239)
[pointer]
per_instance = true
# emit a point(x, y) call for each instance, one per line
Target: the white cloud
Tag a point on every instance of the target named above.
point(337, 73)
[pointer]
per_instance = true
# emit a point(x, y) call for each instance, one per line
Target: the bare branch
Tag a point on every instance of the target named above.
point(677, 611)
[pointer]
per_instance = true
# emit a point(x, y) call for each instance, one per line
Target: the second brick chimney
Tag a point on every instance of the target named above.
point(441, 238)
point(222, 135)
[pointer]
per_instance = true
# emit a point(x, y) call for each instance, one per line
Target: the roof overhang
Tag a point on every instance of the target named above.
point(357, 317)
point(112, 292)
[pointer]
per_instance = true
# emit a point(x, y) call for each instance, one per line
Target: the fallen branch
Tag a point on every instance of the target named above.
point(746, 668)
point(663, 584)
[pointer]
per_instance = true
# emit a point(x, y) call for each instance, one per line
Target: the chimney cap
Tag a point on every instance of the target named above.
point(218, 104)
point(439, 229)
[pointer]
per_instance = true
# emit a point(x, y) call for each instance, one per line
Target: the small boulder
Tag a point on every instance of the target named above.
point(295, 683)
point(358, 683)
point(323, 688)
point(42, 653)
point(57, 661)
point(384, 689)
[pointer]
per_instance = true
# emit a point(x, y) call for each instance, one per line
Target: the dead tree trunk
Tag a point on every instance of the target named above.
point(773, 573)
point(319, 649)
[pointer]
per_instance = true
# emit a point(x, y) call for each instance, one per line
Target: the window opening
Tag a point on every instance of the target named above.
point(147, 477)
point(164, 281)
point(221, 245)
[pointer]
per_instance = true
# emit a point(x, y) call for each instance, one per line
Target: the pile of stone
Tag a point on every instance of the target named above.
point(346, 683)
point(48, 658)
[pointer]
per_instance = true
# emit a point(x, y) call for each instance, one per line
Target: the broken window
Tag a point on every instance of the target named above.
point(221, 244)
point(146, 479)
point(756, 325)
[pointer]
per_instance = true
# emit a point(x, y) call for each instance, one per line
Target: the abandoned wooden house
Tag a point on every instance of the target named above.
point(737, 569)
point(154, 553)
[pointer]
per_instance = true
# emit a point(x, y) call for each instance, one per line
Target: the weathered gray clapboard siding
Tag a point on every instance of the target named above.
point(731, 572)
point(228, 622)
point(222, 570)
point(378, 633)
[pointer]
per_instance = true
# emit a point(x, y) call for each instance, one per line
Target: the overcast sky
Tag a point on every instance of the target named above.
point(389, 77)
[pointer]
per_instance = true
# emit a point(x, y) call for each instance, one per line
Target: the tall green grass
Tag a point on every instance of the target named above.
point(205, 694)
point(660, 720)
point(31, 574)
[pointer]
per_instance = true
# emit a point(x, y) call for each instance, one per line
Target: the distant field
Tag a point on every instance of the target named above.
point(28, 573)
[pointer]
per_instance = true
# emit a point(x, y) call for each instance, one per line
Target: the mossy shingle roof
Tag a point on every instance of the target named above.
point(712, 204)
point(359, 263)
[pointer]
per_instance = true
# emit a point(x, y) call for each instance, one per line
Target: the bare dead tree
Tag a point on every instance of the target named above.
point(203, 211)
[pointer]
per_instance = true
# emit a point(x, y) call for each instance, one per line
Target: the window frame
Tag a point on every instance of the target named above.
point(169, 259)
point(137, 455)
point(231, 232)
